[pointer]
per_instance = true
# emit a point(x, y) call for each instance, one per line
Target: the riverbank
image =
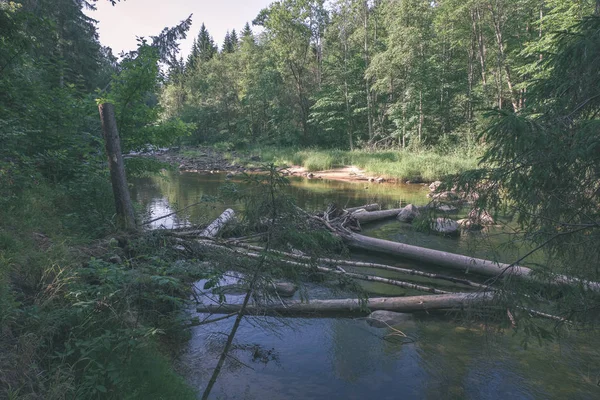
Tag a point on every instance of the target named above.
point(87, 312)
point(358, 165)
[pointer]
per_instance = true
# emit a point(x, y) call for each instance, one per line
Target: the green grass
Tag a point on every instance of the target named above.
point(56, 342)
point(424, 165)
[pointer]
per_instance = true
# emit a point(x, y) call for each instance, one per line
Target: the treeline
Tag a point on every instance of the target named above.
point(376, 73)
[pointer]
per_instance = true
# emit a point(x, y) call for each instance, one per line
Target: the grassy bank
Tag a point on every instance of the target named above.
point(85, 314)
point(424, 165)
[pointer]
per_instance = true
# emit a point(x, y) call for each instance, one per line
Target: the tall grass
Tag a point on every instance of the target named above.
point(423, 165)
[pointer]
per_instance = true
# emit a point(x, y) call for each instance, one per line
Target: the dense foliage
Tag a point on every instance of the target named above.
point(519, 77)
point(350, 73)
point(542, 164)
point(71, 326)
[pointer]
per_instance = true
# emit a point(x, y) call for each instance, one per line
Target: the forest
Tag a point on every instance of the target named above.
point(497, 100)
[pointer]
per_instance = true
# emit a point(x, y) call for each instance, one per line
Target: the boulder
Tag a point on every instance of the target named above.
point(469, 225)
point(284, 289)
point(435, 185)
point(447, 209)
point(408, 213)
point(445, 226)
point(445, 196)
point(384, 319)
point(481, 217)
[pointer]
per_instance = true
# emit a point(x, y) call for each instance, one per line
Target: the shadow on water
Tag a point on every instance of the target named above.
point(343, 358)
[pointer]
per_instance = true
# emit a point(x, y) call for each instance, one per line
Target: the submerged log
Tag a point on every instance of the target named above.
point(353, 306)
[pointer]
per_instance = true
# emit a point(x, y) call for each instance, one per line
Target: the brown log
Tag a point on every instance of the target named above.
point(112, 143)
point(352, 306)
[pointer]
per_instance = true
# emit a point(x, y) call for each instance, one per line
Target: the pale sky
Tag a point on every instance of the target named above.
point(119, 25)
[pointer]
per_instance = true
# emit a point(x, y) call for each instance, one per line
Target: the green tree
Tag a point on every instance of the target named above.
point(542, 164)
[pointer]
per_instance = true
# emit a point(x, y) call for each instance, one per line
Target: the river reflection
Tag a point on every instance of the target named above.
point(347, 359)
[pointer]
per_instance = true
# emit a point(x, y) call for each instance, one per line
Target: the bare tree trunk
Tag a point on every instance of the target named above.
point(455, 261)
point(218, 224)
point(367, 83)
point(112, 142)
point(481, 46)
point(365, 217)
point(498, 28)
point(398, 304)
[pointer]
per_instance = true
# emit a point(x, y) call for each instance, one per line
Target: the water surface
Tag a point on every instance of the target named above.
point(340, 358)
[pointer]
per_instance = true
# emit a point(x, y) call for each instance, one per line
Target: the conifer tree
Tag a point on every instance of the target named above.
point(228, 44)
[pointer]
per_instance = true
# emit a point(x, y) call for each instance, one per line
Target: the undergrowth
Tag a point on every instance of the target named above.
point(83, 317)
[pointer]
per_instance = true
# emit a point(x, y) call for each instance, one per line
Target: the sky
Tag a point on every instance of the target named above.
point(119, 26)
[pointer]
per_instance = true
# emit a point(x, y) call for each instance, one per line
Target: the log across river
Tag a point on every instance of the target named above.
point(353, 306)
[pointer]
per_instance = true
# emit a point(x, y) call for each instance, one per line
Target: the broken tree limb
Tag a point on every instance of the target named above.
point(366, 217)
point(353, 306)
point(215, 227)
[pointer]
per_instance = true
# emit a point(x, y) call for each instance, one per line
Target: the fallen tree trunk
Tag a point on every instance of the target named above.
point(451, 260)
point(366, 217)
point(336, 263)
point(339, 271)
point(215, 227)
point(353, 306)
point(368, 207)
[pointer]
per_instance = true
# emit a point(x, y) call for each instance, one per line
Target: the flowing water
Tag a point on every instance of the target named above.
point(341, 358)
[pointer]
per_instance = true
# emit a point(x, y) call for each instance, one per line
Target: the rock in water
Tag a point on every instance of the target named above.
point(469, 225)
point(384, 319)
point(446, 226)
point(435, 185)
point(448, 209)
point(408, 213)
point(284, 289)
point(481, 217)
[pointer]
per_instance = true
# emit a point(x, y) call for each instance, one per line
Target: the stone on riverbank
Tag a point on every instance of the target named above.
point(446, 226)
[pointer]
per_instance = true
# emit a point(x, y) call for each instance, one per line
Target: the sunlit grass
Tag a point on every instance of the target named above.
point(402, 164)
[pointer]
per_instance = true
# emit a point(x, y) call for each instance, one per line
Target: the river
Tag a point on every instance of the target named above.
point(342, 358)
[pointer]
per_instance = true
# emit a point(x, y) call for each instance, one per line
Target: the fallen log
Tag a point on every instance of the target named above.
point(368, 207)
point(353, 306)
point(366, 217)
point(340, 271)
point(336, 263)
point(451, 260)
point(215, 227)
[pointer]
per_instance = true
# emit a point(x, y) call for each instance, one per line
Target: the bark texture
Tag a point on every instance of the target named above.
point(124, 206)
